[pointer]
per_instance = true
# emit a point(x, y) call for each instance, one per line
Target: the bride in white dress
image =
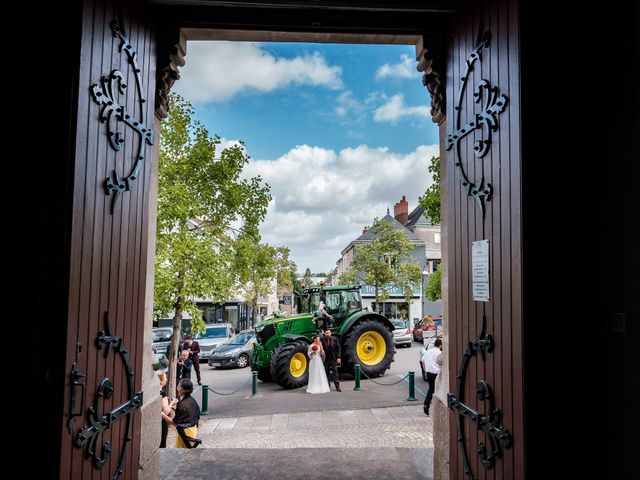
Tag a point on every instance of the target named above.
point(318, 382)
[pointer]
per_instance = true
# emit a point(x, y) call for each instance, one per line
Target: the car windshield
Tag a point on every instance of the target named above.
point(398, 324)
point(214, 332)
point(241, 338)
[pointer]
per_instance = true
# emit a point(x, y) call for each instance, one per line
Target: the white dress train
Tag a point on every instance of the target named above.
point(318, 382)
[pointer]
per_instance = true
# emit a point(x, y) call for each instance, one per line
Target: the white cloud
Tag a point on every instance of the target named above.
point(216, 71)
point(323, 199)
point(406, 68)
point(395, 109)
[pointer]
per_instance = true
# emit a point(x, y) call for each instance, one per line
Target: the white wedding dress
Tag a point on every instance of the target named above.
point(318, 382)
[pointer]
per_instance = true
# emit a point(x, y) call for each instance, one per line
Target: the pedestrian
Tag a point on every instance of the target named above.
point(331, 348)
point(194, 355)
point(166, 409)
point(432, 368)
point(318, 382)
point(184, 365)
point(187, 416)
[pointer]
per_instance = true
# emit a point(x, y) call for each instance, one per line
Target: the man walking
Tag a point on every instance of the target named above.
point(430, 360)
point(331, 348)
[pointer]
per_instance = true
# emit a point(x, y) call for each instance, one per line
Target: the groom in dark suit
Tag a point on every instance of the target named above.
point(331, 348)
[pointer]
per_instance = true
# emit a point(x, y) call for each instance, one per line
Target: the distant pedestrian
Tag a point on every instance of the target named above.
point(432, 367)
point(331, 348)
point(194, 354)
point(184, 365)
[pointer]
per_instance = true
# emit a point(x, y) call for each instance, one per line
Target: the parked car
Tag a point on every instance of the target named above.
point(235, 352)
point(401, 333)
point(215, 334)
point(420, 328)
point(160, 339)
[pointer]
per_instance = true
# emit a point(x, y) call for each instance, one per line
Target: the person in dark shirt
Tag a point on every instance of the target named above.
point(187, 415)
point(194, 354)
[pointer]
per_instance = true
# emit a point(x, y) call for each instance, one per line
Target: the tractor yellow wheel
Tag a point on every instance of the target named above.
point(298, 364)
point(371, 348)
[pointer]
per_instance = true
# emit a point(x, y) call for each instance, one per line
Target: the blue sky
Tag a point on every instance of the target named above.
point(340, 132)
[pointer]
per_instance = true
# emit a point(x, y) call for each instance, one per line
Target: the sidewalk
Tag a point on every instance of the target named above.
point(392, 442)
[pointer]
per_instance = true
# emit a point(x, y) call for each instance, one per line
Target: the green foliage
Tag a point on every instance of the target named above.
point(433, 289)
point(285, 269)
point(430, 201)
point(306, 280)
point(255, 267)
point(199, 198)
point(385, 262)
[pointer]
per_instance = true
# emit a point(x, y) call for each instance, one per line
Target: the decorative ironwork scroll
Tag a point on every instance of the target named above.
point(487, 120)
point(498, 436)
point(112, 111)
point(99, 421)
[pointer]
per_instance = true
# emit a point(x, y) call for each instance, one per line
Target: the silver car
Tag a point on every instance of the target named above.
point(216, 334)
point(401, 333)
point(160, 339)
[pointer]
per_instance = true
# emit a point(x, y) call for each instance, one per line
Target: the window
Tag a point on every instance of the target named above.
point(436, 237)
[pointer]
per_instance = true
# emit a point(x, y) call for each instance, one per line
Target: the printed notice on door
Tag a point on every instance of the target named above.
point(480, 270)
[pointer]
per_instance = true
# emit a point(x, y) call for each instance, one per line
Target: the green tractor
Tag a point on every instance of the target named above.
point(365, 337)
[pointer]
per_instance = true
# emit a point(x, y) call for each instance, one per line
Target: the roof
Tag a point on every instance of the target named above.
point(417, 217)
point(369, 236)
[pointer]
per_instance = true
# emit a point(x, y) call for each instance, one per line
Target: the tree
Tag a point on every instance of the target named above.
point(286, 273)
point(199, 197)
point(255, 267)
point(430, 201)
point(384, 263)
point(306, 280)
point(433, 289)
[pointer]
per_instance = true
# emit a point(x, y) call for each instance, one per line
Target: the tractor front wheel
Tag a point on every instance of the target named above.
point(290, 365)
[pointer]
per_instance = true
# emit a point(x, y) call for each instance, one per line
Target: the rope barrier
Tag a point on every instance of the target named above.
point(384, 384)
point(235, 391)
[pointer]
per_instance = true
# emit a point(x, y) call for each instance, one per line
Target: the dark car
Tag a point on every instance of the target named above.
point(235, 352)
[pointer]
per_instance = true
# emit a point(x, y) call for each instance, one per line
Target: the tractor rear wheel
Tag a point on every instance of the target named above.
point(370, 344)
point(290, 365)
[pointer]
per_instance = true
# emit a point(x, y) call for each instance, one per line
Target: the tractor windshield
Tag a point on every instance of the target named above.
point(310, 302)
point(343, 303)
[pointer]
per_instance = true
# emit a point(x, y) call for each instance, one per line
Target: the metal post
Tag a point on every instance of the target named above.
point(205, 400)
point(357, 375)
point(254, 383)
point(412, 387)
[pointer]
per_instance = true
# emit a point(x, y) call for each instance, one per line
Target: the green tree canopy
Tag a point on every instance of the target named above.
point(199, 197)
point(433, 288)
point(306, 279)
point(384, 263)
point(430, 201)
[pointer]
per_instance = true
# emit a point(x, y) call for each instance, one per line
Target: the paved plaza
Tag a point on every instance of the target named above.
point(392, 442)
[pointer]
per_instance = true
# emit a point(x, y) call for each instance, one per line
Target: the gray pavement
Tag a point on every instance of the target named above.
point(391, 442)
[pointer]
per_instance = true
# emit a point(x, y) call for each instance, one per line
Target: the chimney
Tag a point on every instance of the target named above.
point(365, 229)
point(401, 211)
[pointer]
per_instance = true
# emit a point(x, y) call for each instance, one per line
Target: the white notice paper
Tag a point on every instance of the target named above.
point(480, 270)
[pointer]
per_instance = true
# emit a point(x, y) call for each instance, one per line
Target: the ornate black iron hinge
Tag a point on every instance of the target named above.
point(498, 436)
point(487, 120)
point(98, 422)
point(76, 376)
point(106, 95)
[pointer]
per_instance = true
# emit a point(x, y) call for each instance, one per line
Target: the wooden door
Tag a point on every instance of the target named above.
point(483, 203)
point(100, 430)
